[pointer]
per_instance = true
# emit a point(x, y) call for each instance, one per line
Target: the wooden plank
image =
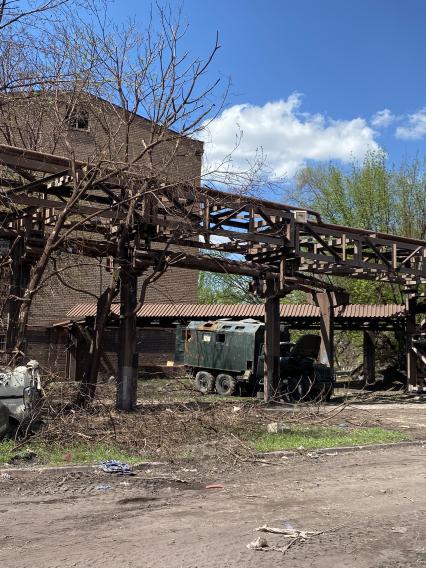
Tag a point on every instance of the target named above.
point(83, 210)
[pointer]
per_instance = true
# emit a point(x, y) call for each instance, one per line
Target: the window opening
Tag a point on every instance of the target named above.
point(78, 119)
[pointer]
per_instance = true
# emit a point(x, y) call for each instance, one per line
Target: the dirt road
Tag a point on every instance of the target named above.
point(372, 504)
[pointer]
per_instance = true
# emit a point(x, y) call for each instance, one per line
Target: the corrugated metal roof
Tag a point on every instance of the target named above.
point(212, 311)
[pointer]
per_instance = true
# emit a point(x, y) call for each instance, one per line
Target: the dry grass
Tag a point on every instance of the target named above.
point(173, 422)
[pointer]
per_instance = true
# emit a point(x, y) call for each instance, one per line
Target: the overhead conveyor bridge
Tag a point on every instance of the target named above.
point(282, 247)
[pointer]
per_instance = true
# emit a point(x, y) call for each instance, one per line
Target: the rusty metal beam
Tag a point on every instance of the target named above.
point(264, 232)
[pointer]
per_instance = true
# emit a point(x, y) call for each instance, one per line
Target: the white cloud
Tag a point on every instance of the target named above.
point(286, 136)
point(383, 118)
point(415, 127)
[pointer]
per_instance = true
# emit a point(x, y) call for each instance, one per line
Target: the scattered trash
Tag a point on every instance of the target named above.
point(215, 486)
point(113, 466)
point(277, 428)
point(331, 453)
point(103, 487)
point(311, 455)
point(6, 476)
point(288, 526)
point(259, 544)
point(25, 454)
point(236, 408)
point(401, 530)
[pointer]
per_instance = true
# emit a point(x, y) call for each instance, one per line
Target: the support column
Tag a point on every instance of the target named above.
point(369, 357)
point(324, 301)
point(272, 347)
point(127, 355)
point(71, 358)
point(410, 329)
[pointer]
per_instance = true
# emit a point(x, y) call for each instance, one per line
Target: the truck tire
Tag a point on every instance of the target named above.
point(226, 385)
point(327, 393)
point(299, 388)
point(204, 382)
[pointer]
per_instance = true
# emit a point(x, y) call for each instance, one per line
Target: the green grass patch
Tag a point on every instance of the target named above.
point(55, 454)
point(311, 437)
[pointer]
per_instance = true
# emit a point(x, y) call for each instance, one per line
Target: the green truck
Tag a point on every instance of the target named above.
point(227, 357)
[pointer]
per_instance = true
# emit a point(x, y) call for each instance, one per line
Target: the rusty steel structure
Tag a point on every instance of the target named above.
point(280, 246)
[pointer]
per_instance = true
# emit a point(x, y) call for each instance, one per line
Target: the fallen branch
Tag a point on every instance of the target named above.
point(288, 533)
point(294, 534)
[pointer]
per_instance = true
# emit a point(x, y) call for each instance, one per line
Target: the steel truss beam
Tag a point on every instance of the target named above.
point(275, 238)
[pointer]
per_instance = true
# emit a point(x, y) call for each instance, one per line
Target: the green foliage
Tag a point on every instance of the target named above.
point(215, 288)
point(369, 195)
point(323, 437)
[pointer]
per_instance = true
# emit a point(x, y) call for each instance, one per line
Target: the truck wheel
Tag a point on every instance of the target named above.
point(299, 388)
point(328, 393)
point(226, 385)
point(204, 382)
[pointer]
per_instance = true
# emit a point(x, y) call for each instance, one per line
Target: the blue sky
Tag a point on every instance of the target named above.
point(313, 79)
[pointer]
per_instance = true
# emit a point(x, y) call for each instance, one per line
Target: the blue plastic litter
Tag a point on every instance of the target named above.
point(114, 466)
point(103, 487)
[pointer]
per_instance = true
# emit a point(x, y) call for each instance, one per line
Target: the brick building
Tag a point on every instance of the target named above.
point(95, 131)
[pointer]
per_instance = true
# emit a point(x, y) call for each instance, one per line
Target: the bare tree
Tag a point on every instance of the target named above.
point(88, 74)
point(89, 69)
point(13, 12)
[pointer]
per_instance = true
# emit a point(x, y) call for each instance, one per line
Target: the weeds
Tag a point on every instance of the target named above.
point(310, 437)
point(174, 422)
point(59, 454)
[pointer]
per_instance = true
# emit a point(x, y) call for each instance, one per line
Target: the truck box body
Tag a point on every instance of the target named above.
point(231, 346)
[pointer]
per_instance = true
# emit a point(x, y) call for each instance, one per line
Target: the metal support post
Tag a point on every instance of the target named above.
point(369, 357)
point(127, 355)
point(410, 329)
point(324, 302)
point(272, 347)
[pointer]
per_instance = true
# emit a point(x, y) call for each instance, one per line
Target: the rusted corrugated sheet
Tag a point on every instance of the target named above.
point(212, 311)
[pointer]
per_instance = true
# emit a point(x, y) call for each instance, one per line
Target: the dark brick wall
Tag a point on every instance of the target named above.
point(32, 122)
point(49, 348)
point(85, 283)
point(155, 346)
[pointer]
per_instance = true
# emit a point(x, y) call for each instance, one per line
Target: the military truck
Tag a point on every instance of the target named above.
point(227, 357)
point(20, 391)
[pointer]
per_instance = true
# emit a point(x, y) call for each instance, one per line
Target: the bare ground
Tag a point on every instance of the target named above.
point(370, 504)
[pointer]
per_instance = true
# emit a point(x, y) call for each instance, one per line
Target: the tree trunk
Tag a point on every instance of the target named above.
point(89, 380)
